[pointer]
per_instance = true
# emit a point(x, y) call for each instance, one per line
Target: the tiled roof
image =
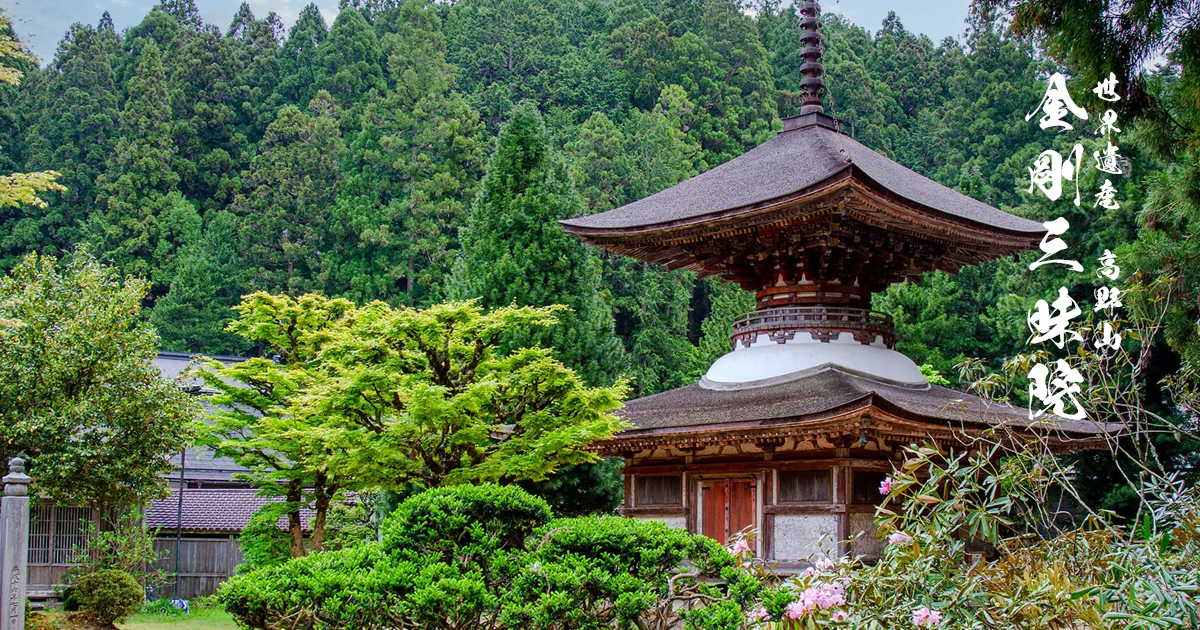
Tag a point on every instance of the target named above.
point(212, 510)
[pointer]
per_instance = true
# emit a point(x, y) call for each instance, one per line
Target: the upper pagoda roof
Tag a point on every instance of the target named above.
point(796, 163)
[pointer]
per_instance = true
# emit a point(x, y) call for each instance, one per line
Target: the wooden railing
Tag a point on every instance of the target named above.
point(824, 323)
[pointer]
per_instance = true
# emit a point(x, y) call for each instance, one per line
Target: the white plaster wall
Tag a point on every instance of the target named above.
point(775, 361)
point(677, 522)
point(868, 544)
point(796, 536)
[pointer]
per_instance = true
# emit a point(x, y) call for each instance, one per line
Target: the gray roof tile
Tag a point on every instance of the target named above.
point(790, 162)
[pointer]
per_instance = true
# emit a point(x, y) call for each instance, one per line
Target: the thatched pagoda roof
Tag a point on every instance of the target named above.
point(831, 399)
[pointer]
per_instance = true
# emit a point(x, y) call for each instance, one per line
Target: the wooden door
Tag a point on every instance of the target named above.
point(716, 508)
point(730, 505)
point(742, 505)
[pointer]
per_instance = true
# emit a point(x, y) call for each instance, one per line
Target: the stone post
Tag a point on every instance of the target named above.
point(14, 546)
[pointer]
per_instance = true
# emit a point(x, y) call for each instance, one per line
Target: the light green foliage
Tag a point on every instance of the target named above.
point(18, 189)
point(377, 397)
point(431, 396)
point(490, 558)
point(108, 595)
point(933, 376)
point(605, 572)
point(78, 392)
point(124, 544)
point(514, 250)
point(262, 542)
point(253, 420)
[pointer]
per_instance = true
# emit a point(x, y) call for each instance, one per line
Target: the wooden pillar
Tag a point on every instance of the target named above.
point(767, 529)
point(841, 501)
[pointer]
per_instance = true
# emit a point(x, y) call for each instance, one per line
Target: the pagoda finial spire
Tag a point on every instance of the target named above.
point(813, 83)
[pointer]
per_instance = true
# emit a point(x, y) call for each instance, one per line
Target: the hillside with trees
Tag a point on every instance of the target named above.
point(364, 159)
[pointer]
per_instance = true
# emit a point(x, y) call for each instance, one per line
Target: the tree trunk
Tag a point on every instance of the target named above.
point(411, 281)
point(294, 496)
point(323, 496)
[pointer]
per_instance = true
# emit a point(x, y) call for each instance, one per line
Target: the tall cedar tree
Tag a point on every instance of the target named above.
point(74, 133)
point(290, 186)
point(298, 57)
point(411, 170)
point(514, 250)
point(348, 62)
point(144, 221)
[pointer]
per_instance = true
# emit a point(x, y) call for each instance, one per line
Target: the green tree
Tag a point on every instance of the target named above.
point(514, 250)
point(728, 301)
point(79, 394)
point(433, 397)
point(410, 171)
point(289, 188)
point(211, 149)
point(298, 57)
point(144, 221)
point(348, 63)
point(199, 302)
point(506, 51)
point(19, 189)
point(650, 305)
point(253, 420)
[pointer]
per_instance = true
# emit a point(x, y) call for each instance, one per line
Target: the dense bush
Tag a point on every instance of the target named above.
point(108, 595)
point(606, 572)
point(490, 557)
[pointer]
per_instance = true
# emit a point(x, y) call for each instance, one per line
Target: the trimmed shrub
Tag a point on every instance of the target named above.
point(464, 520)
point(606, 572)
point(108, 595)
point(490, 558)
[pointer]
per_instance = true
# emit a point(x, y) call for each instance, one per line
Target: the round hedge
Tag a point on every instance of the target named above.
point(108, 595)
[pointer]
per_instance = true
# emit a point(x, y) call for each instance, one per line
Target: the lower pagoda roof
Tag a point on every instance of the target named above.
point(828, 400)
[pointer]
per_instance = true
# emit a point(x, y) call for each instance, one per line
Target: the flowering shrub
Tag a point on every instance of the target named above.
point(938, 508)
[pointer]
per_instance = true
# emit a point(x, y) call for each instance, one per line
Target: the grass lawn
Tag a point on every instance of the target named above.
point(199, 619)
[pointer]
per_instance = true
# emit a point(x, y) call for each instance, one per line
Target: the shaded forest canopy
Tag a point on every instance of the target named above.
point(344, 158)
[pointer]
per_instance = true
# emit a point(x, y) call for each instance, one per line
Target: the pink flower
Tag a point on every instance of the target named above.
point(899, 538)
point(924, 617)
point(760, 614)
point(809, 572)
point(839, 615)
point(824, 564)
point(739, 547)
point(796, 610)
point(885, 486)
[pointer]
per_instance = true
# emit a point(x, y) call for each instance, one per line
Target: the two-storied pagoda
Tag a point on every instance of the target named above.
point(793, 430)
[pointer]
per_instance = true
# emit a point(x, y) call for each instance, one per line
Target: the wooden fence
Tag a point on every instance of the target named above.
point(204, 562)
point(57, 532)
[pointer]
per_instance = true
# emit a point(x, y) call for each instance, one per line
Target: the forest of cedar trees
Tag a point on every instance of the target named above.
point(348, 159)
